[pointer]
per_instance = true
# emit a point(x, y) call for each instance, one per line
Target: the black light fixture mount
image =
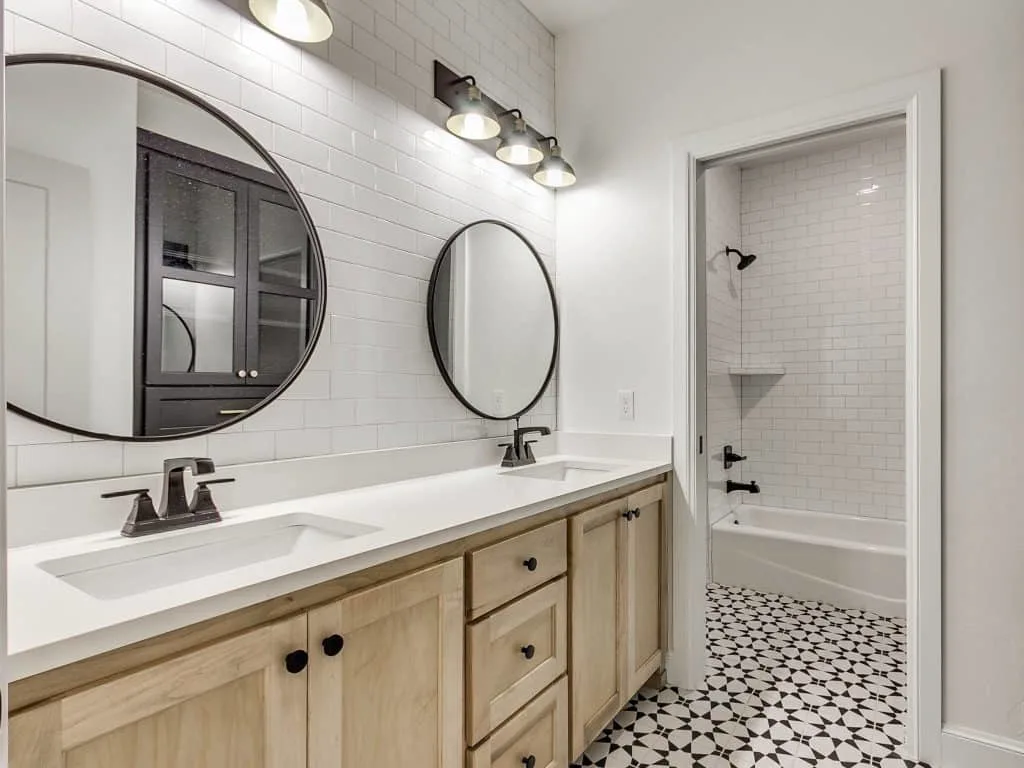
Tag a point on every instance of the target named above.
point(518, 143)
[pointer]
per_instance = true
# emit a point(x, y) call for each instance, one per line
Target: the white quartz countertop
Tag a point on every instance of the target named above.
point(52, 623)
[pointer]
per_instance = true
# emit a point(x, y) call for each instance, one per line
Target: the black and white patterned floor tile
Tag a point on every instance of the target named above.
point(790, 684)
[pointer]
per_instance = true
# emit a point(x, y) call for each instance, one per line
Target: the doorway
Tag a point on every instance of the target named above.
point(914, 105)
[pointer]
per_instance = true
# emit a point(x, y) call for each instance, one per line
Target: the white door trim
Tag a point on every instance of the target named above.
point(918, 98)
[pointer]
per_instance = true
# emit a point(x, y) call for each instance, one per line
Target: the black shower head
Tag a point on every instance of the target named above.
point(745, 259)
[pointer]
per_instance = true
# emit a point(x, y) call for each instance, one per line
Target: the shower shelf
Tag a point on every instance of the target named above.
point(757, 370)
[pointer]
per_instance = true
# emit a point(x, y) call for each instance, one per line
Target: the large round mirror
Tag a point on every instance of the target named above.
point(162, 276)
point(493, 320)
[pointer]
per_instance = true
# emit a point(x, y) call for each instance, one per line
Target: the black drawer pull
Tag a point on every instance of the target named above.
point(528, 651)
point(332, 645)
point(296, 661)
point(530, 564)
point(530, 762)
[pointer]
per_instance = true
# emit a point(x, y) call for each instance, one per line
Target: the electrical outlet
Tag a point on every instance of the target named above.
point(626, 403)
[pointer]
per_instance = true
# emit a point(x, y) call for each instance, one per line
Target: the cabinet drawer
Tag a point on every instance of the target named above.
point(502, 571)
point(514, 654)
point(540, 731)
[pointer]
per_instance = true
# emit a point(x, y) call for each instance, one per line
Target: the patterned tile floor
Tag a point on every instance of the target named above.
point(791, 684)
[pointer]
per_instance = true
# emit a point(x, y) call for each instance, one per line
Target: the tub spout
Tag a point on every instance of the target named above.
point(751, 487)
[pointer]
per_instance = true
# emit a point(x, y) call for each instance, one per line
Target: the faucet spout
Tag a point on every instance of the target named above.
point(174, 502)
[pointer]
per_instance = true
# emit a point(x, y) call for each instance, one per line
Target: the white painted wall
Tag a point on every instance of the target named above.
point(627, 86)
point(355, 125)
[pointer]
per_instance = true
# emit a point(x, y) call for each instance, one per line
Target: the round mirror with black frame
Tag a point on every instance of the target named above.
point(163, 277)
point(493, 320)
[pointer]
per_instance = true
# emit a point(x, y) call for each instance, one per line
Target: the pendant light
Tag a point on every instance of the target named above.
point(304, 21)
point(471, 118)
point(554, 171)
point(519, 147)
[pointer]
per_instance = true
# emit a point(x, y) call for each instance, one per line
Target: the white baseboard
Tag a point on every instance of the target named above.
point(967, 748)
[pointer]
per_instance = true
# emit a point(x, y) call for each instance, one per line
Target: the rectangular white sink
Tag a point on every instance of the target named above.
point(163, 561)
point(564, 471)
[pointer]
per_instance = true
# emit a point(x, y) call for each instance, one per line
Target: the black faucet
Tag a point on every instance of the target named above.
point(751, 487)
point(175, 511)
point(174, 501)
point(519, 452)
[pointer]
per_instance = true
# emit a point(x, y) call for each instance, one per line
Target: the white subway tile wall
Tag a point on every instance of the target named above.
point(723, 283)
point(354, 124)
point(825, 299)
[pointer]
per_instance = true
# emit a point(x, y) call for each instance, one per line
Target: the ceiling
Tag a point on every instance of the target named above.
point(562, 15)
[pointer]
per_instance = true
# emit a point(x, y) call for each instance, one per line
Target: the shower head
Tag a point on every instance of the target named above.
point(745, 259)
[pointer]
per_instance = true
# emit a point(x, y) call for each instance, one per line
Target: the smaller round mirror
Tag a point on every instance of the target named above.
point(493, 320)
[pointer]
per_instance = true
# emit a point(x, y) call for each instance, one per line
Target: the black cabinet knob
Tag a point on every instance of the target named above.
point(332, 645)
point(296, 661)
point(528, 651)
point(628, 514)
point(530, 564)
point(636, 513)
point(530, 762)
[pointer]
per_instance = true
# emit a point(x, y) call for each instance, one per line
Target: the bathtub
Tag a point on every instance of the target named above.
point(850, 562)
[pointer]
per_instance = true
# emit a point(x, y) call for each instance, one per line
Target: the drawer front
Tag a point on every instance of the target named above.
point(502, 571)
point(514, 654)
point(540, 731)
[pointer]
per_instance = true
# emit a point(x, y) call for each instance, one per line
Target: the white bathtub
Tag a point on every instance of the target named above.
point(850, 562)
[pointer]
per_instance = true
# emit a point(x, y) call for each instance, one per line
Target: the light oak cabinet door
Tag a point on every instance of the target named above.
point(391, 696)
point(230, 705)
point(643, 587)
point(615, 577)
point(538, 734)
point(597, 583)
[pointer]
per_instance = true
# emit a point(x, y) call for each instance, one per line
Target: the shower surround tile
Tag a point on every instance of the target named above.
point(825, 300)
point(790, 684)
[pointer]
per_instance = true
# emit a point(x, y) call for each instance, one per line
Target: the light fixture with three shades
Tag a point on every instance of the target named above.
point(476, 117)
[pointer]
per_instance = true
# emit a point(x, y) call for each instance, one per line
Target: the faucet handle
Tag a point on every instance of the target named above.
point(528, 451)
point(202, 500)
point(509, 459)
point(143, 513)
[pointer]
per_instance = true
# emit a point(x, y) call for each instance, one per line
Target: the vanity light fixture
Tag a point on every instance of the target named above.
point(476, 116)
point(471, 117)
point(304, 21)
point(554, 171)
point(519, 146)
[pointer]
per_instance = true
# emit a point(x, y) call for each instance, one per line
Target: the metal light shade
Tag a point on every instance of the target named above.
point(520, 147)
point(305, 21)
point(554, 171)
point(472, 119)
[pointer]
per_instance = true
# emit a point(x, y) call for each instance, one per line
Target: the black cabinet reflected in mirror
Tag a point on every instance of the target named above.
point(493, 320)
point(163, 277)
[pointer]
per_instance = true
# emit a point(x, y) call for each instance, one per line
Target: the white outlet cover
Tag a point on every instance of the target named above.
point(626, 405)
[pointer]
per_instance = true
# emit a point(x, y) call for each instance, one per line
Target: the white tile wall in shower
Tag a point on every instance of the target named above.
point(354, 124)
point(723, 289)
point(825, 299)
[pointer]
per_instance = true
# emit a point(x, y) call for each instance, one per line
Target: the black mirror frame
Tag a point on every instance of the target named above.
point(432, 330)
point(275, 167)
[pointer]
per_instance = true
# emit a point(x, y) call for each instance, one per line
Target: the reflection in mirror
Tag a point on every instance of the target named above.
point(162, 278)
point(493, 320)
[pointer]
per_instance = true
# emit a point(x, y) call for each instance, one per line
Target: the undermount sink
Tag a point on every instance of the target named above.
point(564, 471)
point(168, 560)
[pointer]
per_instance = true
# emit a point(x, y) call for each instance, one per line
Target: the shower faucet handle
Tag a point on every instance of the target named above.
point(729, 457)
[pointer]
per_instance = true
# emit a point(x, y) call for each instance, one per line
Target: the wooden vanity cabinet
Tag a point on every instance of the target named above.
point(385, 683)
point(615, 577)
point(234, 704)
point(524, 643)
